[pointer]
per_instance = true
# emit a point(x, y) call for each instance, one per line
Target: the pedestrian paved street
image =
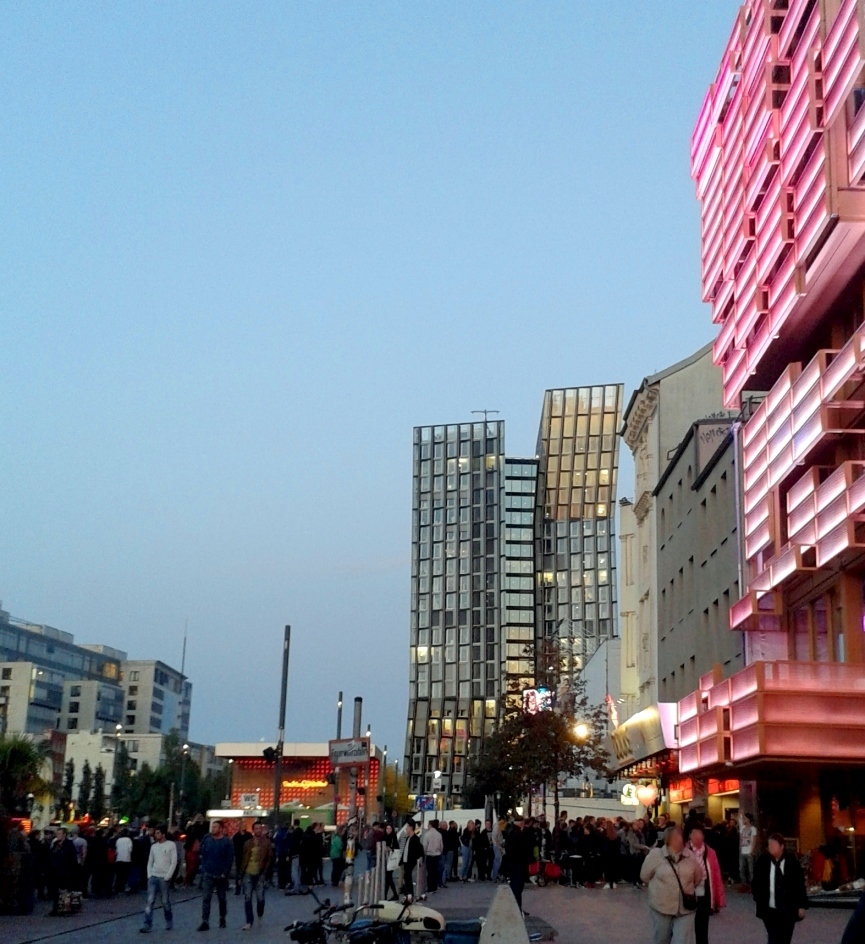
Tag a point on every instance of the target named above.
point(581, 916)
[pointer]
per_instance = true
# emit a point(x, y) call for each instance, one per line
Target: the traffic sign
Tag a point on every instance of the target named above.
point(349, 752)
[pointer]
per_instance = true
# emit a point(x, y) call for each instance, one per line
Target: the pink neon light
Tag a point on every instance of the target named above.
point(745, 125)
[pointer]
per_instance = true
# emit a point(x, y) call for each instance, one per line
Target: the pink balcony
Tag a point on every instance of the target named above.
point(782, 711)
point(777, 233)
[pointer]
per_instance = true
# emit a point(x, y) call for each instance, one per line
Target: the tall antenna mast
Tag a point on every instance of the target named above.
point(486, 413)
point(183, 657)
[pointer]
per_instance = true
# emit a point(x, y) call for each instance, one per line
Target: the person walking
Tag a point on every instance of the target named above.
point(62, 868)
point(215, 857)
point(611, 854)
point(747, 850)
point(451, 852)
point(257, 852)
point(466, 842)
point(520, 849)
point(392, 862)
point(412, 853)
point(161, 864)
point(336, 854)
point(239, 840)
point(779, 891)
point(433, 846)
point(122, 862)
point(672, 874)
point(498, 850)
point(711, 896)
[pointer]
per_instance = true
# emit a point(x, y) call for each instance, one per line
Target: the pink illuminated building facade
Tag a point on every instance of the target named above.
point(778, 156)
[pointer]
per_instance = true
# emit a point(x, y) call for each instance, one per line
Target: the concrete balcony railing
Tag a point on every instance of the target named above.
point(775, 711)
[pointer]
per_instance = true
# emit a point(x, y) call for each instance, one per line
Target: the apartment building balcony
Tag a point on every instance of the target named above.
point(777, 713)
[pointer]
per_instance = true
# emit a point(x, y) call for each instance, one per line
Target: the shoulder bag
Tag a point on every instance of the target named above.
point(689, 902)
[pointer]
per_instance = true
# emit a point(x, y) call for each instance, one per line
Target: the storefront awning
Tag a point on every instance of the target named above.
point(645, 737)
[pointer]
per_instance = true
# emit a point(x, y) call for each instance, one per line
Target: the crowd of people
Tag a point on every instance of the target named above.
point(686, 869)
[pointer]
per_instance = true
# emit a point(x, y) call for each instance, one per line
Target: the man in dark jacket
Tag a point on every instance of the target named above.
point(64, 867)
point(239, 841)
point(452, 851)
point(216, 854)
point(412, 852)
point(779, 891)
point(520, 848)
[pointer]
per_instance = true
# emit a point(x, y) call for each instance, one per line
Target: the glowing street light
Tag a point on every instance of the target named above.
point(581, 730)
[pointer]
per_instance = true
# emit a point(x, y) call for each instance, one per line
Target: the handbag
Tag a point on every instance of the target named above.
point(689, 902)
point(393, 858)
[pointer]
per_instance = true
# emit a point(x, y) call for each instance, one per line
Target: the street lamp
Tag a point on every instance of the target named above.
point(228, 783)
point(182, 781)
point(581, 730)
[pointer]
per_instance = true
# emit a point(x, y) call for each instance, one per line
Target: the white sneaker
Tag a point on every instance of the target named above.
point(246, 927)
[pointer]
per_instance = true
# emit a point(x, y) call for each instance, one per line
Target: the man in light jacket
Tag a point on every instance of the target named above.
point(160, 868)
point(433, 846)
point(665, 869)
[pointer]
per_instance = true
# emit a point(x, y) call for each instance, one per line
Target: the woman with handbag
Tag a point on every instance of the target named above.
point(392, 865)
point(672, 874)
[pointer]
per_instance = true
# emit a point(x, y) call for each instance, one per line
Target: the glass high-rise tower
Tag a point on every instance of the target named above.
point(506, 553)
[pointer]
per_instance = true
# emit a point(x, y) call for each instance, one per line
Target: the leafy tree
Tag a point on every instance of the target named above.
point(85, 788)
point(68, 785)
point(97, 803)
point(528, 751)
point(395, 792)
point(122, 785)
point(21, 764)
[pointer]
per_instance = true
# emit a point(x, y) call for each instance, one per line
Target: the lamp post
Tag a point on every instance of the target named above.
point(383, 784)
point(229, 780)
point(117, 729)
point(182, 781)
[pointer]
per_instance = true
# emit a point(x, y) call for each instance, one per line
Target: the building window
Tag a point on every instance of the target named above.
point(73, 724)
point(130, 719)
point(73, 707)
point(75, 691)
point(131, 705)
point(7, 673)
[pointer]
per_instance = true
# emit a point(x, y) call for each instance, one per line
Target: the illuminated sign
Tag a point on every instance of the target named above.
point(682, 790)
point(536, 700)
point(629, 795)
point(304, 784)
point(721, 787)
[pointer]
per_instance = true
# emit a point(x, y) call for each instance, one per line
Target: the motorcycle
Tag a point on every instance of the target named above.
point(319, 928)
point(395, 923)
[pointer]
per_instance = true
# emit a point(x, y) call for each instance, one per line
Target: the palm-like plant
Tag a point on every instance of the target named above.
point(21, 765)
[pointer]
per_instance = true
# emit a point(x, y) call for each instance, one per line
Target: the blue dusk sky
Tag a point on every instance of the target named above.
point(246, 247)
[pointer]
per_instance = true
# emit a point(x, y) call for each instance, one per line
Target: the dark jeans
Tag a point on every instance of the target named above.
point(779, 927)
point(209, 885)
point(407, 883)
point(432, 873)
point(121, 876)
point(253, 885)
point(337, 867)
point(701, 919)
point(518, 882)
point(390, 886)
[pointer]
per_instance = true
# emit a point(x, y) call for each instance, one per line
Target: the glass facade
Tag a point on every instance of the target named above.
point(455, 678)
point(507, 553)
point(578, 451)
point(518, 580)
